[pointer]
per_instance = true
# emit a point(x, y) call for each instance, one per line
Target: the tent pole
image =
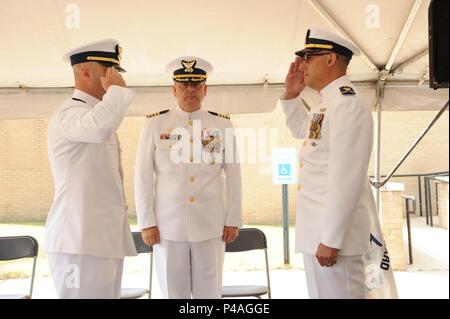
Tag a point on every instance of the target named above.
point(378, 108)
point(411, 60)
point(413, 146)
point(378, 159)
point(402, 37)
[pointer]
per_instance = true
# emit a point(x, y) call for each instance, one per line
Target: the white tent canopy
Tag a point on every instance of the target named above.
point(250, 44)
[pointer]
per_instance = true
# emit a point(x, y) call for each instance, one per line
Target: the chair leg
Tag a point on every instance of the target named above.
point(151, 277)
point(32, 277)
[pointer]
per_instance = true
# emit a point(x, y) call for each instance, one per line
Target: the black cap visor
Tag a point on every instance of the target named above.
point(109, 64)
point(304, 51)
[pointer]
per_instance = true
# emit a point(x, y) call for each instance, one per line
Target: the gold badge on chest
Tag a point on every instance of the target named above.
point(315, 130)
point(211, 141)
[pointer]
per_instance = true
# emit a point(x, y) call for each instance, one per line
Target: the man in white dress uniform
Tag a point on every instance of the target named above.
point(188, 187)
point(87, 232)
point(332, 227)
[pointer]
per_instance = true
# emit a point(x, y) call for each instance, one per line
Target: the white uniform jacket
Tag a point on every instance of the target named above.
point(334, 197)
point(89, 213)
point(193, 198)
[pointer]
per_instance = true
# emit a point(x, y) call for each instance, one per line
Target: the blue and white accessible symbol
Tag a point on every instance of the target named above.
point(284, 169)
point(284, 166)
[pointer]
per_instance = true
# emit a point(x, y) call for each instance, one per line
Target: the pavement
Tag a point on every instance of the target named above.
point(426, 278)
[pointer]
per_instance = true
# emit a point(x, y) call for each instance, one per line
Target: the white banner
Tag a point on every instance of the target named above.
point(380, 282)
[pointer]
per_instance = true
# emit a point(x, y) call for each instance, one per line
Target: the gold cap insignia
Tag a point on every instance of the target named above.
point(119, 51)
point(189, 65)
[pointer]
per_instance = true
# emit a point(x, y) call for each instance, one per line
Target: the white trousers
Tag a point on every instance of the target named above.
point(188, 269)
point(86, 277)
point(345, 280)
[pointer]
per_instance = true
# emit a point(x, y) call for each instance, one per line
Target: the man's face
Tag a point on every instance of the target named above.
point(190, 95)
point(314, 66)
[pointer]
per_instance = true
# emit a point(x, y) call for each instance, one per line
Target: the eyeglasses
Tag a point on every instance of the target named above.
point(307, 56)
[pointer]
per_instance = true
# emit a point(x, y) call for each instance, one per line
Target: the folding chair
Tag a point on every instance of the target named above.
point(248, 239)
point(18, 247)
point(142, 248)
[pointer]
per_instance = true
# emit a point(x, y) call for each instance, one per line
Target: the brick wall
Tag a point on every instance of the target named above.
point(392, 225)
point(26, 185)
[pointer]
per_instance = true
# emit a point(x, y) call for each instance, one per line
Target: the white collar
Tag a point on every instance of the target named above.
point(188, 115)
point(331, 89)
point(89, 99)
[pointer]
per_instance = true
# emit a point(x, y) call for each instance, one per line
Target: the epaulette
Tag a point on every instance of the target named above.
point(347, 90)
point(225, 116)
point(157, 113)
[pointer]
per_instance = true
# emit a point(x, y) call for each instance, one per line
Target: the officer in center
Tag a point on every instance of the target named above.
point(188, 187)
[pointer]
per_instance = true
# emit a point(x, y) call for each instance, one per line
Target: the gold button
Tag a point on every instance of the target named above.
point(192, 199)
point(192, 179)
point(189, 122)
point(191, 140)
point(304, 143)
point(301, 165)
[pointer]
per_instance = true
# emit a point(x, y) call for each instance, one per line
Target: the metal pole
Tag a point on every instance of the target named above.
point(409, 211)
point(420, 196)
point(402, 37)
point(427, 218)
point(408, 225)
point(429, 201)
point(380, 95)
point(378, 161)
point(413, 146)
point(410, 61)
point(286, 224)
point(437, 198)
point(408, 221)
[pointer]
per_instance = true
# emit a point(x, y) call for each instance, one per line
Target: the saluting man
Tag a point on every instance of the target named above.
point(332, 227)
point(188, 187)
point(87, 230)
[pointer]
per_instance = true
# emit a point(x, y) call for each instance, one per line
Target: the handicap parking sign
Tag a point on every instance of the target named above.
point(284, 166)
point(284, 169)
